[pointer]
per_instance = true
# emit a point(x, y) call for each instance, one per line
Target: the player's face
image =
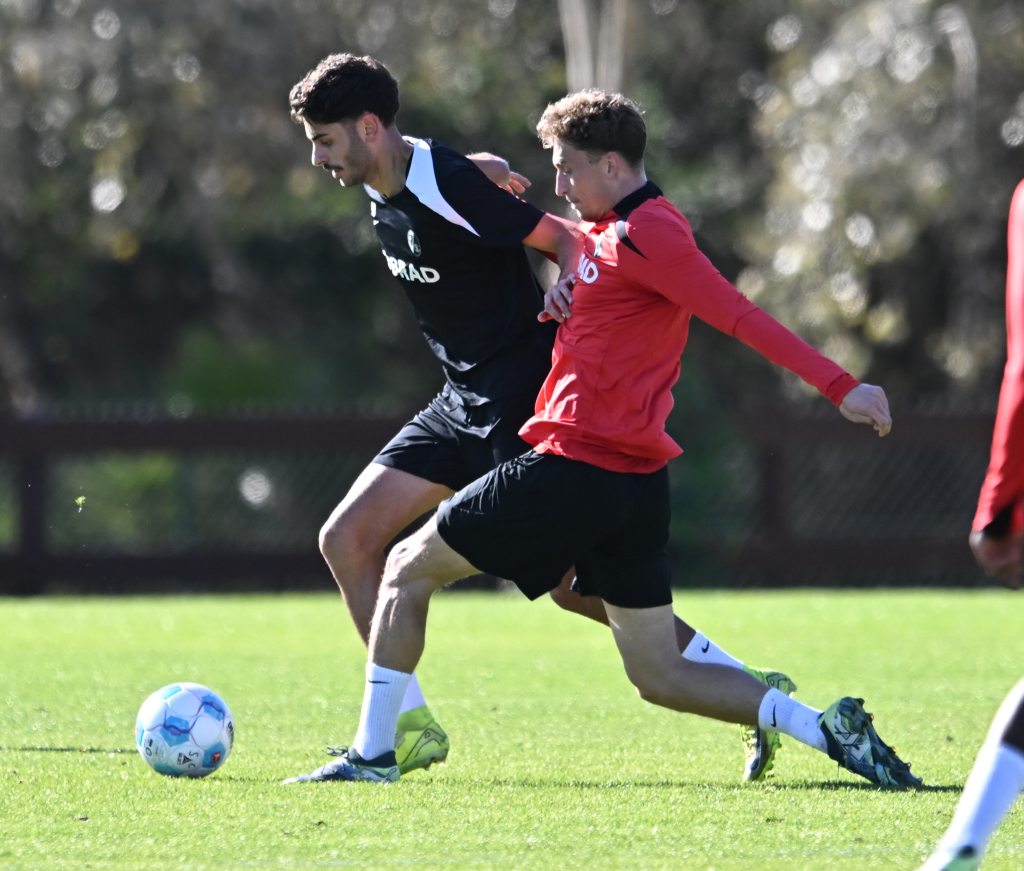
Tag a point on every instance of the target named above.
point(338, 149)
point(584, 182)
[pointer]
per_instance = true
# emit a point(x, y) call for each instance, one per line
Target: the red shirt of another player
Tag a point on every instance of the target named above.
point(609, 392)
point(1003, 491)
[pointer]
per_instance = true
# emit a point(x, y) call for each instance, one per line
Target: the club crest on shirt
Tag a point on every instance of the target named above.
point(414, 244)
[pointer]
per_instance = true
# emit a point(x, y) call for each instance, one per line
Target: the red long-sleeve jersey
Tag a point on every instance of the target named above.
point(615, 360)
point(1002, 494)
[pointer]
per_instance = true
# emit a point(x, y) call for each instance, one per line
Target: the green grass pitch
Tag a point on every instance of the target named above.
point(555, 762)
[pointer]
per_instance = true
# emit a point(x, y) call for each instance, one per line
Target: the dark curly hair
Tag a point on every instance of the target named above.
point(343, 87)
point(596, 122)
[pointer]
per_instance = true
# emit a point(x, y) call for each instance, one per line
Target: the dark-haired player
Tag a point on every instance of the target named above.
point(996, 539)
point(455, 243)
point(593, 492)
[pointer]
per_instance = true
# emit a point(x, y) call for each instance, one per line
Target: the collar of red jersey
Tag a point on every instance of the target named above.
point(628, 203)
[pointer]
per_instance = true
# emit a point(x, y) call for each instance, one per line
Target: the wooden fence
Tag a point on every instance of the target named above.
point(770, 555)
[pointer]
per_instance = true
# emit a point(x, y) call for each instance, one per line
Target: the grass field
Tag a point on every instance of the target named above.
point(555, 762)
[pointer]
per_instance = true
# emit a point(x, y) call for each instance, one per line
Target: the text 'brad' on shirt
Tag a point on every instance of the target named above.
point(408, 271)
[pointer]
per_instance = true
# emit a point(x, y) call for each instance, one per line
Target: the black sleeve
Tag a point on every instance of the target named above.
point(499, 218)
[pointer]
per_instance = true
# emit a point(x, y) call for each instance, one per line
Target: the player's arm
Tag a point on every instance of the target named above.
point(996, 534)
point(501, 219)
point(860, 403)
point(675, 267)
point(498, 218)
point(564, 240)
point(497, 170)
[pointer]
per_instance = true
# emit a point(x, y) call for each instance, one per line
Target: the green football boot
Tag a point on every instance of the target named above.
point(761, 745)
point(419, 740)
point(965, 859)
point(853, 742)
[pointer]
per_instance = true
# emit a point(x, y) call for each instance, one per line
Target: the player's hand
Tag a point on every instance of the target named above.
point(498, 171)
point(558, 301)
point(517, 183)
point(1001, 558)
point(866, 403)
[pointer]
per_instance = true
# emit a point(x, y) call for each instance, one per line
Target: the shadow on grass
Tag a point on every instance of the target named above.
point(819, 785)
point(65, 750)
point(837, 786)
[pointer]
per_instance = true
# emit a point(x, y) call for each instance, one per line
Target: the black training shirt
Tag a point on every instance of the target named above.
point(453, 239)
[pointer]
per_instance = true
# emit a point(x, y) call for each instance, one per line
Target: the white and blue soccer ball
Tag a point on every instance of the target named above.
point(184, 729)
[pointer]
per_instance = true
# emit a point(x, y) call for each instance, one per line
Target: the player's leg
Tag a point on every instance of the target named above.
point(381, 503)
point(628, 568)
point(416, 568)
point(991, 789)
point(378, 506)
point(692, 644)
point(645, 638)
point(591, 606)
point(646, 641)
point(759, 745)
point(419, 467)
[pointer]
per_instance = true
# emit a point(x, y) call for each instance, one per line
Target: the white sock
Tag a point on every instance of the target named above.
point(700, 649)
point(991, 789)
point(782, 714)
point(378, 720)
point(413, 697)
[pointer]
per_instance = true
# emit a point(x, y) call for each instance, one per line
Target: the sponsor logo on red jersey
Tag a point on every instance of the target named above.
point(586, 269)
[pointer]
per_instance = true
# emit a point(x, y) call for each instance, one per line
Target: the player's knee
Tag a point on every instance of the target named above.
point(661, 686)
point(653, 692)
point(396, 568)
point(343, 542)
point(649, 684)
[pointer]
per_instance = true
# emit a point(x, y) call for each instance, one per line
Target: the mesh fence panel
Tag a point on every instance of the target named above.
point(854, 492)
point(8, 508)
point(177, 503)
point(749, 508)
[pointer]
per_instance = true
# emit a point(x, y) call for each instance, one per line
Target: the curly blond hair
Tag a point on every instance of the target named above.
point(596, 122)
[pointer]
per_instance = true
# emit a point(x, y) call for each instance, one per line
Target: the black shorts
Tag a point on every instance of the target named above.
point(453, 444)
point(534, 517)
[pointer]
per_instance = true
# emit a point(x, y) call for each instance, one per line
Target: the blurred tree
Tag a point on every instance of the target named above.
point(585, 67)
point(883, 229)
point(163, 236)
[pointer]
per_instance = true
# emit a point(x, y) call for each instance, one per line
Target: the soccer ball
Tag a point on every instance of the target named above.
point(184, 729)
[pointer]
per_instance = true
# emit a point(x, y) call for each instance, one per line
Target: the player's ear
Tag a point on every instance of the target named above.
point(369, 127)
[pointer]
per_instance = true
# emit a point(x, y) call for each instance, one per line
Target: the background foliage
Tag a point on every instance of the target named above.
point(163, 236)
